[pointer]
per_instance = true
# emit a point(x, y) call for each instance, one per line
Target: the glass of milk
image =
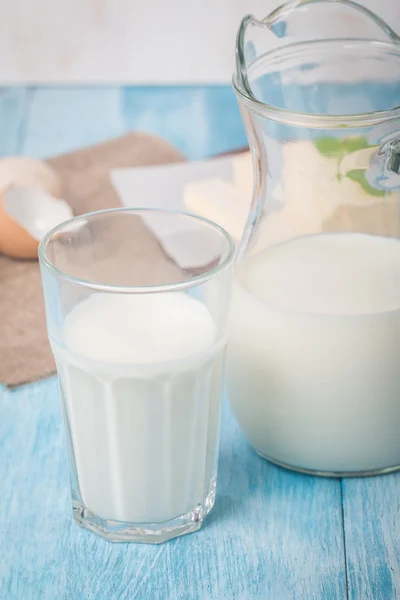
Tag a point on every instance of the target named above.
point(313, 358)
point(137, 309)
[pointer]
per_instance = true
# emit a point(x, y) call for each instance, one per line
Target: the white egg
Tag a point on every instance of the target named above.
point(29, 172)
point(26, 215)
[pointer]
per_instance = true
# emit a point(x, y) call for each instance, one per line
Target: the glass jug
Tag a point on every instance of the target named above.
point(313, 362)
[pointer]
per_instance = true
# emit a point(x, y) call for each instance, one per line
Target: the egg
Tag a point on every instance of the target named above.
point(30, 205)
point(29, 172)
point(15, 241)
point(26, 215)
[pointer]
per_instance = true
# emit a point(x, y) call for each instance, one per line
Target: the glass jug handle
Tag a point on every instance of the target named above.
point(385, 165)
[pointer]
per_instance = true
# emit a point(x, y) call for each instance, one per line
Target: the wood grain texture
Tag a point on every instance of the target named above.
point(272, 534)
point(139, 42)
point(372, 529)
point(63, 119)
point(14, 106)
point(199, 121)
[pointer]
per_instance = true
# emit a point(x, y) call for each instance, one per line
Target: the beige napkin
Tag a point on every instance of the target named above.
point(25, 354)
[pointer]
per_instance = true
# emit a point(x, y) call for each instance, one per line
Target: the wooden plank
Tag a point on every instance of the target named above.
point(154, 42)
point(272, 535)
point(14, 106)
point(63, 118)
point(200, 121)
point(372, 533)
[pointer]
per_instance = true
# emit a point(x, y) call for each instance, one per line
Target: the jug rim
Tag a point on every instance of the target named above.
point(312, 120)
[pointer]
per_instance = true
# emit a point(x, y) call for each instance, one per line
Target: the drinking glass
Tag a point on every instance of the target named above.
point(137, 308)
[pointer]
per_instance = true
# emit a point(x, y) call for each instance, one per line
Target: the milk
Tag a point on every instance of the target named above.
point(313, 367)
point(141, 380)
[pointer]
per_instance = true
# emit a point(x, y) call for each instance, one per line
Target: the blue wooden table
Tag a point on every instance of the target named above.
point(273, 535)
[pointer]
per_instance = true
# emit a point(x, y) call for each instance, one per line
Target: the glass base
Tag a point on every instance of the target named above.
point(370, 473)
point(148, 533)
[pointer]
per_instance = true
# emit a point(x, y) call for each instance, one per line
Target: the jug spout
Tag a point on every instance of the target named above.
point(322, 114)
point(345, 17)
point(295, 21)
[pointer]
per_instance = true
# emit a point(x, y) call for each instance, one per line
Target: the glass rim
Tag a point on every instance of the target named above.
point(182, 284)
point(303, 119)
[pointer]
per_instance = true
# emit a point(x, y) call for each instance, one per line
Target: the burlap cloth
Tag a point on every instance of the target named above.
point(25, 353)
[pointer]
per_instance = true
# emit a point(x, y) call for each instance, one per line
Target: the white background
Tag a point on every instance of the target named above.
point(129, 41)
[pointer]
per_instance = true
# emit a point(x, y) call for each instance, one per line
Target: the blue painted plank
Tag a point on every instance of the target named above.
point(372, 526)
point(200, 121)
point(272, 534)
point(66, 118)
point(14, 105)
